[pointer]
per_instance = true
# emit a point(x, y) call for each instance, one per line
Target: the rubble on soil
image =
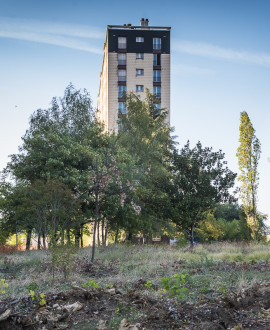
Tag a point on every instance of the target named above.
point(80, 307)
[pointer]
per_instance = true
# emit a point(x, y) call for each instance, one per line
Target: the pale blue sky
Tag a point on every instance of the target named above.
point(220, 65)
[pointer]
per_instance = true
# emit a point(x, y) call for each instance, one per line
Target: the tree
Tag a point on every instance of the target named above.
point(145, 134)
point(200, 180)
point(248, 154)
point(60, 144)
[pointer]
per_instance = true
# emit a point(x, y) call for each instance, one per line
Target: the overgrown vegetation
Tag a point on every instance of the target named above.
point(70, 178)
point(125, 276)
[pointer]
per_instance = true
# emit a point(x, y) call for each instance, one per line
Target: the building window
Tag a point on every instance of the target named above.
point(139, 88)
point(157, 91)
point(122, 42)
point(140, 56)
point(122, 59)
point(156, 75)
point(139, 72)
point(121, 108)
point(156, 43)
point(139, 39)
point(122, 75)
point(156, 59)
point(122, 91)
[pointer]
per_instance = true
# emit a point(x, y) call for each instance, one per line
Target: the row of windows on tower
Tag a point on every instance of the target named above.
point(122, 74)
point(139, 88)
point(122, 58)
point(122, 42)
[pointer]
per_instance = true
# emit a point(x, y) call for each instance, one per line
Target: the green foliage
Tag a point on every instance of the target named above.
point(90, 284)
point(200, 180)
point(221, 287)
point(109, 286)
point(248, 154)
point(33, 286)
point(206, 261)
point(228, 212)
point(62, 258)
point(37, 298)
point(149, 285)
point(3, 285)
point(175, 285)
point(146, 135)
point(209, 229)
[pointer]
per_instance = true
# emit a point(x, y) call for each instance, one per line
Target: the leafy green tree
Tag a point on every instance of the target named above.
point(46, 208)
point(110, 175)
point(210, 229)
point(200, 180)
point(145, 134)
point(248, 154)
point(229, 212)
point(60, 141)
point(60, 144)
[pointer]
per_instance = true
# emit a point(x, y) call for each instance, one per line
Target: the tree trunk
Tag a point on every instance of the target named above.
point(38, 242)
point(191, 237)
point(95, 227)
point(68, 236)
point(116, 235)
point(106, 232)
point(102, 232)
point(82, 236)
point(44, 241)
point(77, 237)
point(129, 237)
point(28, 239)
point(98, 233)
point(63, 237)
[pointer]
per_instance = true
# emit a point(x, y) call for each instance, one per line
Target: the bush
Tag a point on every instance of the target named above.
point(175, 285)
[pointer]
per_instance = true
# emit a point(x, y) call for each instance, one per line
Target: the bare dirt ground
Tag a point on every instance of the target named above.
point(228, 287)
point(100, 308)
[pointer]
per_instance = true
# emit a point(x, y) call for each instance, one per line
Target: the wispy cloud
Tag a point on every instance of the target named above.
point(80, 37)
point(213, 51)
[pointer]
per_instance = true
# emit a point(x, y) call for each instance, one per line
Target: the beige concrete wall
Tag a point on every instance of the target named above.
point(108, 96)
point(146, 80)
point(112, 92)
point(165, 83)
point(102, 104)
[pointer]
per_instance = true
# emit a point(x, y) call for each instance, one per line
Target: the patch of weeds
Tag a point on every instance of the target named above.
point(65, 286)
point(37, 299)
point(207, 262)
point(149, 285)
point(238, 257)
point(91, 284)
point(114, 321)
point(204, 289)
point(3, 285)
point(62, 257)
point(220, 287)
point(175, 285)
point(33, 286)
point(109, 286)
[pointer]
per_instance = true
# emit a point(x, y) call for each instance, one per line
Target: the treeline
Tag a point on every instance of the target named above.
point(69, 173)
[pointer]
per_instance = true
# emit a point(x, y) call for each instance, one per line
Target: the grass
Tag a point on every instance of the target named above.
point(213, 268)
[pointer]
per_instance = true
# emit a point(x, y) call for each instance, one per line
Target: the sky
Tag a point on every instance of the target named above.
point(220, 65)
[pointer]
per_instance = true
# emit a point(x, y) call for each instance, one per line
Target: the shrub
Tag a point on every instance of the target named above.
point(175, 285)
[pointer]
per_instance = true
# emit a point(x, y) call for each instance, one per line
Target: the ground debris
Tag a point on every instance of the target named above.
point(73, 309)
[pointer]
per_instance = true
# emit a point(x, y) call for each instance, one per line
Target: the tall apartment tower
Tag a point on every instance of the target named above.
point(135, 58)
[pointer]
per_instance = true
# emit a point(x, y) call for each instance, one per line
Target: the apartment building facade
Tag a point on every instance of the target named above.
point(136, 58)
